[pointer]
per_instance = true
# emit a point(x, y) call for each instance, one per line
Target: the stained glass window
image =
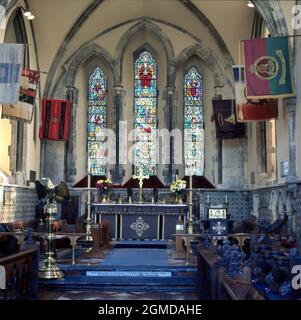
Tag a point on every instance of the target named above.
point(145, 108)
point(193, 123)
point(97, 122)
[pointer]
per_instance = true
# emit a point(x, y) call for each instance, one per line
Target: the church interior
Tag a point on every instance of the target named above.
point(149, 150)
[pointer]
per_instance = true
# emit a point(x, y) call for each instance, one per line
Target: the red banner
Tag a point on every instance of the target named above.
point(251, 110)
point(261, 111)
point(55, 119)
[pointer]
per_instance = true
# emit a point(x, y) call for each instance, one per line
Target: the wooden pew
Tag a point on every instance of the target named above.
point(21, 272)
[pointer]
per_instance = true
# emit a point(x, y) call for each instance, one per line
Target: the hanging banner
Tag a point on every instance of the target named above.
point(267, 68)
point(225, 120)
point(55, 119)
point(11, 60)
point(23, 109)
point(250, 110)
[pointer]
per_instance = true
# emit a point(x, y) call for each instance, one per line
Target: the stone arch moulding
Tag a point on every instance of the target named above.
point(62, 48)
point(144, 25)
point(273, 16)
point(68, 74)
point(65, 88)
point(19, 130)
point(208, 57)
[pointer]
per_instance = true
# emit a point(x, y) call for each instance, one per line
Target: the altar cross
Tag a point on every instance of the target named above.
point(140, 177)
point(219, 228)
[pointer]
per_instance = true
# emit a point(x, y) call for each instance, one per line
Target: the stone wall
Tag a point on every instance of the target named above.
point(17, 203)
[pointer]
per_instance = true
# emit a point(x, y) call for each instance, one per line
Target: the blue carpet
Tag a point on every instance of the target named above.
point(137, 257)
point(158, 244)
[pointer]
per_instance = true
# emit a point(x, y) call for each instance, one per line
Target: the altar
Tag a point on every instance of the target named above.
point(140, 221)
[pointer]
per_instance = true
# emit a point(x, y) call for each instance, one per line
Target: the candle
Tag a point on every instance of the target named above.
point(89, 186)
point(226, 199)
point(208, 198)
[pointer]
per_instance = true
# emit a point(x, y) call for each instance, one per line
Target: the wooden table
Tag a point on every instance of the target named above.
point(187, 238)
point(73, 239)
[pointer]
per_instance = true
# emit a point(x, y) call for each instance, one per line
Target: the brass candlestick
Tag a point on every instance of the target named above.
point(190, 220)
point(50, 269)
point(88, 236)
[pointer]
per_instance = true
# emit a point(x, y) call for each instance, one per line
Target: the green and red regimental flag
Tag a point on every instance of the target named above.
point(248, 110)
point(267, 68)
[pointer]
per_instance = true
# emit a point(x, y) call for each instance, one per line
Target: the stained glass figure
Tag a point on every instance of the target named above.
point(97, 122)
point(193, 123)
point(145, 108)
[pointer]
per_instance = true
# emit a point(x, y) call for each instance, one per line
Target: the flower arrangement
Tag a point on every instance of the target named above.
point(178, 187)
point(104, 187)
point(103, 184)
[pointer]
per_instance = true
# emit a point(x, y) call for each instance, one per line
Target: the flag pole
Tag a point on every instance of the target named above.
point(287, 36)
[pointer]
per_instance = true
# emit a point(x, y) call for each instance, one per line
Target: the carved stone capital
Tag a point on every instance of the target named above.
point(118, 90)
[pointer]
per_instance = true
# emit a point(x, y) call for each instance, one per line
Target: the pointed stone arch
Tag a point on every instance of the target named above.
point(82, 55)
point(68, 74)
point(144, 25)
point(207, 56)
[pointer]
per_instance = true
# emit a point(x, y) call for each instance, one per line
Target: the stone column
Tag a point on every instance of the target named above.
point(169, 123)
point(117, 171)
point(289, 213)
point(17, 152)
point(70, 148)
point(290, 103)
point(169, 94)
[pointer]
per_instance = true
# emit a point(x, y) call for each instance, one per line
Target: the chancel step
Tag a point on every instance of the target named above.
point(124, 279)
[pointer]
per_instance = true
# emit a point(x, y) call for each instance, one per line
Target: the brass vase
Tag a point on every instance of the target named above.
point(179, 199)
